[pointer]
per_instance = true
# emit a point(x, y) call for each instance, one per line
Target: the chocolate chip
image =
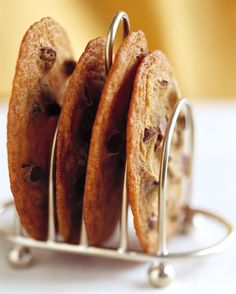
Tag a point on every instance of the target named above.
point(32, 173)
point(115, 142)
point(141, 54)
point(36, 173)
point(69, 66)
point(163, 83)
point(53, 109)
point(48, 55)
point(152, 221)
point(149, 133)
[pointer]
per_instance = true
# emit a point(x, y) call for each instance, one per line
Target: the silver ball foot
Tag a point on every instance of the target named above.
point(20, 256)
point(161, 275)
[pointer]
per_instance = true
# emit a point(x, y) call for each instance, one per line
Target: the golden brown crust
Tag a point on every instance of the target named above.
point(105, 171)
point(154, 95)
point(74, 132)
point(38, 88)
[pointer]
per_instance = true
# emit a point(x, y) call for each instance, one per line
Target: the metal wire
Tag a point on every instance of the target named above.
point(218, 247)
point(162, 202)
point(120, 16)
point(51, 189)
point(124, 217)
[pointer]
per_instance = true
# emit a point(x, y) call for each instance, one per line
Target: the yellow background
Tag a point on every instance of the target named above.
point(198, 36)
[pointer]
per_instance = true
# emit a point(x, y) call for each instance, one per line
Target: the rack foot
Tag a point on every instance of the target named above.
point(20, 256)
point(161, 275)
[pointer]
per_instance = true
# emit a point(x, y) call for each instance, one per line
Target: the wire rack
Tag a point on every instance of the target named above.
point(161, 272)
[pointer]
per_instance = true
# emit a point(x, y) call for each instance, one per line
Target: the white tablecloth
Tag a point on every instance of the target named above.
point(214, 188)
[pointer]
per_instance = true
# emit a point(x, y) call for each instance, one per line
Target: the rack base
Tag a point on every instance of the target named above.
point(161, 272)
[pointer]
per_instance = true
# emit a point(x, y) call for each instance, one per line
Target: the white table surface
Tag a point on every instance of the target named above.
point(214, 188)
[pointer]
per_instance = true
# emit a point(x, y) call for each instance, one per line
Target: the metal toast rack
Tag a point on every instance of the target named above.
point(161, 272)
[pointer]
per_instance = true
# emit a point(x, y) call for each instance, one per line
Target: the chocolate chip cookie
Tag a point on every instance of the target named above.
point(105, 170)
point(44, 65)
point(154, 95)
point(74, 132)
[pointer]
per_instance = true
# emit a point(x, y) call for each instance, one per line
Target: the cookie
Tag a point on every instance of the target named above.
point(154, 96)
point(44, 66)
point(105, 170)
point(74, 132)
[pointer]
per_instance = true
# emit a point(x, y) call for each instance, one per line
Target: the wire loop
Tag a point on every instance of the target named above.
point(120, 16)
